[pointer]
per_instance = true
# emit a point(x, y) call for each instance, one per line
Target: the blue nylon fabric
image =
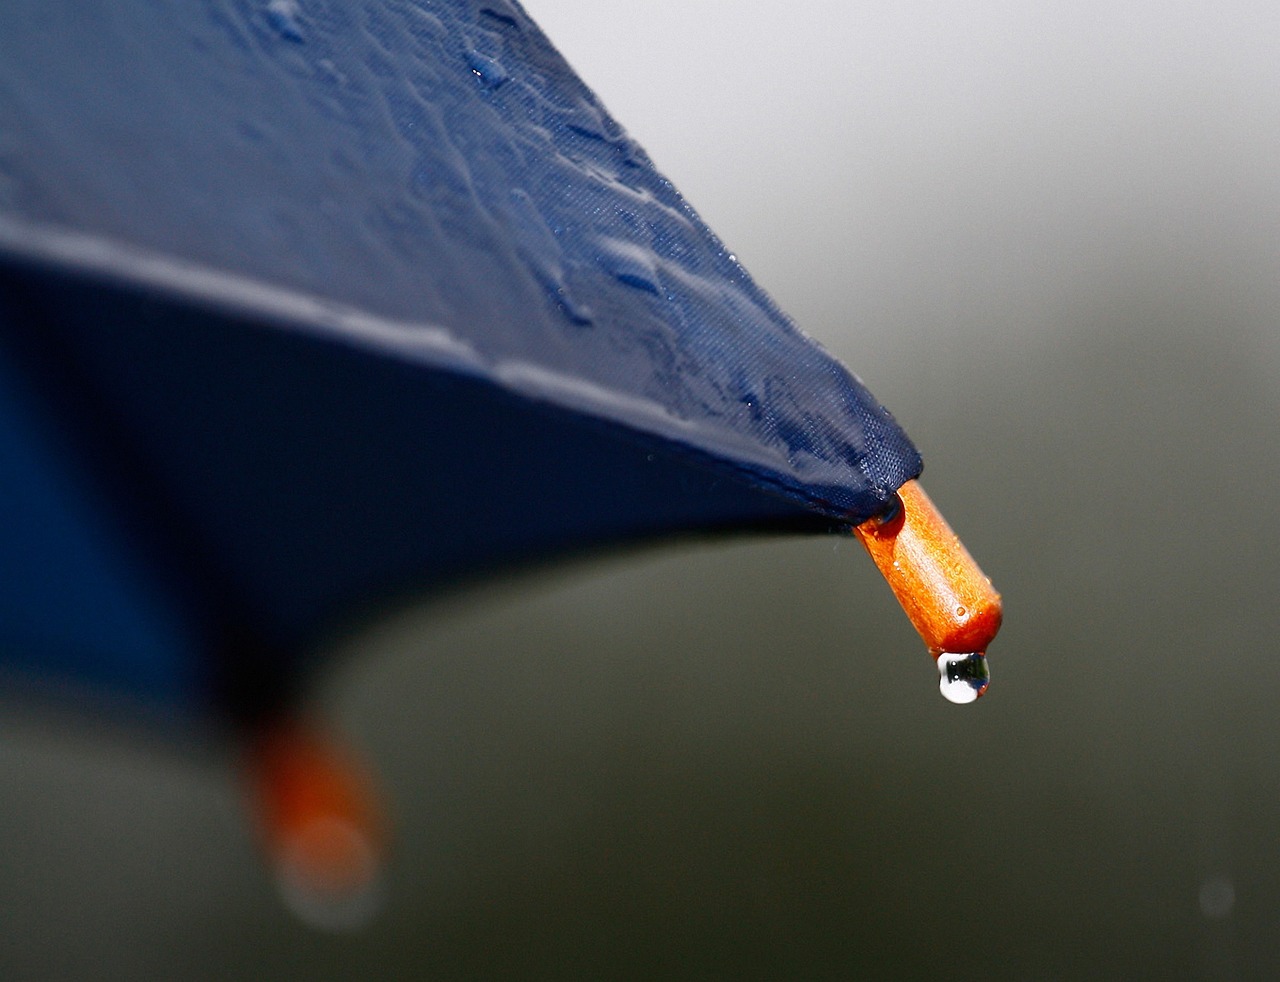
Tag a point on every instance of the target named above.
point(278, 485)
point(77, 600)
point(435, 163)
point(333, 300)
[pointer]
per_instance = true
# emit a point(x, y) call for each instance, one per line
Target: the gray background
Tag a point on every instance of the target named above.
point(1047, 237)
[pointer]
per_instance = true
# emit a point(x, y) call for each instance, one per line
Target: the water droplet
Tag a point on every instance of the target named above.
point(553, 281)
point(488, 70)
point(283, 16)
point(630, 265)
point(891, 513)
point(964, 677)
point(505, 19)
point(577, 312)
point(961, 612)
point(589, 132)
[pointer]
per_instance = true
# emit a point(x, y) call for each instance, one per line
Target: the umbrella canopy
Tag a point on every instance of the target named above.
point(305, 305)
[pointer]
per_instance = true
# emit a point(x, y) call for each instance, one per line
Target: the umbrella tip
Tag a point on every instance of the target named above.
point(946, 596)
point(320, 824)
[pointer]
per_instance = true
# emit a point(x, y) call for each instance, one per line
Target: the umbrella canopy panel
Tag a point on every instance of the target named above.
point(323, 300)
point(268, 483)
point(436, 164)
point(77, 598)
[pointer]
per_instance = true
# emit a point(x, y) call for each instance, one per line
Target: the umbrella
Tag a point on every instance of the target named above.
point(306, 306)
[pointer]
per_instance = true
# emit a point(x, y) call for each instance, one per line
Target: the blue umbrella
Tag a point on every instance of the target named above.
point(308, 305)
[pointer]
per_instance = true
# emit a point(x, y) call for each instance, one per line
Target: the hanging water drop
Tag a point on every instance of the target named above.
point(963, 677)
point(948, 599)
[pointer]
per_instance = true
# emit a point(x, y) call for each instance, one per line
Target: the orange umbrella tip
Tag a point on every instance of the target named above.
point(321, 826)
point(946, 596)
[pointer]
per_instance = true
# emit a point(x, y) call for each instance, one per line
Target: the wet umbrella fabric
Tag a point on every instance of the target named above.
point(303, 306)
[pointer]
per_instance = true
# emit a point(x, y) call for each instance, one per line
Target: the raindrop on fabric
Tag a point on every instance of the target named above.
point(488, 71)
point(283, 16)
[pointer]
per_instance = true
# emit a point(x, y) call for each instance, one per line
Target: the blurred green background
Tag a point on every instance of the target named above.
point(1048, 238)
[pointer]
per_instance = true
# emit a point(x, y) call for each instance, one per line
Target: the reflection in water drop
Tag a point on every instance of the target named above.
point(964, 677)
